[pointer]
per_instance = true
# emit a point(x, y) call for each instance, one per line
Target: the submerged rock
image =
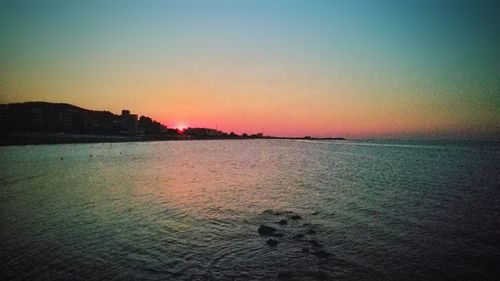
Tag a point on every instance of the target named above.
point(322, 254)
point(314, 243)
point(296, 217)
point(321, 275)
point(272, 242)
point(265, 230)
point(283, 222)
point(272, 212)
point(311, 231)
point(284, 275)
point(299, 236)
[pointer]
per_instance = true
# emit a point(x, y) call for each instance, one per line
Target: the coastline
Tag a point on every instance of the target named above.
point(37, 138)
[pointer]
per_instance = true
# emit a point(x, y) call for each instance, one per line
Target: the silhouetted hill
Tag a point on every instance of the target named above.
point(48, 117)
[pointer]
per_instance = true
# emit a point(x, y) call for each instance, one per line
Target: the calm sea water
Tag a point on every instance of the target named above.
point(191, 210)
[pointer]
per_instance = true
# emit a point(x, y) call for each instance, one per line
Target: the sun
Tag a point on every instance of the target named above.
point(180, 127)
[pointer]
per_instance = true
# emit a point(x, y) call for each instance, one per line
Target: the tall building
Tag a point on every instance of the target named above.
point(129, 121)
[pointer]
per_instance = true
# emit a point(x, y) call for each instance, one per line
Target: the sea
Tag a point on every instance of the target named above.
point(192, 210)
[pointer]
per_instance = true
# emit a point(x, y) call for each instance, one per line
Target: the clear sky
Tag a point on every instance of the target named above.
point(284, 67)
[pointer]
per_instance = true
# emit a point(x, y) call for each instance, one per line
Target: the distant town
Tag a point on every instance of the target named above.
point(45, 123)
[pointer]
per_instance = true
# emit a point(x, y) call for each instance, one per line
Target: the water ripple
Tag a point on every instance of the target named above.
point(191, 211)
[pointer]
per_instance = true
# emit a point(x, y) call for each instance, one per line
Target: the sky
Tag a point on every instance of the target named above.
point(357, 69)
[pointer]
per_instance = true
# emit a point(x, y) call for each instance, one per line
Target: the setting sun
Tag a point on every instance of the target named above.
point(180, 127)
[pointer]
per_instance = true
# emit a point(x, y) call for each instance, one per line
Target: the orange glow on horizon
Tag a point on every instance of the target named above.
point(180, 128)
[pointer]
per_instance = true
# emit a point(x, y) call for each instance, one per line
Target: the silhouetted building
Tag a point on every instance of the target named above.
point(41, 117)
point(129, 121)
point(47, 117)
point(204, 133)
point(102, 122)
point(148, 126)
point(66, 118)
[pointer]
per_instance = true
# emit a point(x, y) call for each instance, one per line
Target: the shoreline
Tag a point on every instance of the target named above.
point(37, 138)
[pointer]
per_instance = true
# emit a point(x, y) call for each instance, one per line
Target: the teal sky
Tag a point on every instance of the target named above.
point(352, 68)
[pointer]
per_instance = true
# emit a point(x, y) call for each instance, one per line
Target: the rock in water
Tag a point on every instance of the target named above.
point(322, 254)
point(314, 243)
point(311, 231)
point(299, 236)
point(272, 242)
point(283, 222)
point(266, 230)
point(295, 217)
point(272, 212)
point(283, 275)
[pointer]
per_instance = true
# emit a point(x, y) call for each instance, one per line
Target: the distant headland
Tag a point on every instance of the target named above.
point(52, 123)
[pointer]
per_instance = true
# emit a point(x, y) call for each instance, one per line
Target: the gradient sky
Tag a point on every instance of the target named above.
point(296, 67)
